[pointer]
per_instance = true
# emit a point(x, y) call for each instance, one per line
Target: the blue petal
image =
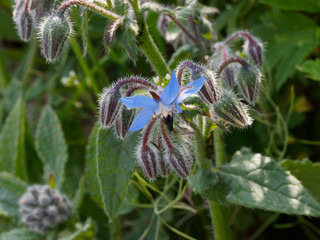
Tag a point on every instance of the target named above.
point(140, 101)
point(170, 93)
point(196, 86)
point(178, 108)
point(141, 119)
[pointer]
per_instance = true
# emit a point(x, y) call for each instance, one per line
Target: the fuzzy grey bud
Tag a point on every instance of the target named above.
point(253, 47)
point(42, 208)
point(180, 161)
point(249, 80)
point(109, 105)
point(230, 109)
point(110, 31)
point(54, 32)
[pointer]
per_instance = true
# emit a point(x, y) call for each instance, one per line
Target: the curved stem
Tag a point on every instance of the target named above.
point(239, 60)
point(108, 14)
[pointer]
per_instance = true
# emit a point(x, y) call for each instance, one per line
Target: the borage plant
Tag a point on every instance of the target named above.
point(169, 124)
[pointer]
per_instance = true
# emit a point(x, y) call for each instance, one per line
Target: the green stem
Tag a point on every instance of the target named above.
point(147, 45)
point(219, 214)
point(29, 62)
point(4, 73)
point(115, 229)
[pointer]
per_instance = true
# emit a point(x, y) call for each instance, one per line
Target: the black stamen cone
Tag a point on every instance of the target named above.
point(169, 122)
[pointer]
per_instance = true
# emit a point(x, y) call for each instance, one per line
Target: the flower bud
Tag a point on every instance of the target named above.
point(124, 121)
point(230, 109)
point(42, 208)
point(180, 161)
point(249, 80)
point(54, 32)
point(163, 164)
point(24, 22)
point(253, 47)
point(148, 160)
point(109, 105)
point(35, 3)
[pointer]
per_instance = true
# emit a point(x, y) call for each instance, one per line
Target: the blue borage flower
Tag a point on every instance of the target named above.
point(161, 106)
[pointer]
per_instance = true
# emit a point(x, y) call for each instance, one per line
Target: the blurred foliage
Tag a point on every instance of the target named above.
point(287, 118)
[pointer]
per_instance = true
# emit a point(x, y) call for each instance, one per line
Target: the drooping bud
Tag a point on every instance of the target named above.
point(163, 164)
point(43, 208)
point(148, 160)
point(249, 80)
point(253, 47)
point(222, 52)
point(180, 161)
point(35, 3)
point(54, 32)
point(23, 20)
point(124, 121)
point(109, 105)
point(230, 109)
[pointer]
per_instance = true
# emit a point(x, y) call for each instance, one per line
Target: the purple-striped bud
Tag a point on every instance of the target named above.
point(35, 4)
point(180, 161)
point(124, 121)
point(109, 105)
point(23, 20)
point(230, 109)
point(249, 80)
point(54, 33)
point(253, 47)
point(163, 164)
point(222, 52)
point(148, 160)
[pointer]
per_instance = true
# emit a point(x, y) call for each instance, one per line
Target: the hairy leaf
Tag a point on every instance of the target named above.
point(51, 145)
point(307, 172)
point(12, 145)
point(311, 68)
point(11, 189)
point(115, 165)
point(84, 232)
point(256, 181)
point(283, 37)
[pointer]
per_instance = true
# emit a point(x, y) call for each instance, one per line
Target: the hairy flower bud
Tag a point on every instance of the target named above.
point(148, 160)
point(42, 208)
point(230, 109)
point(35, 4)
point(180, 160)
point(110, 31)
point(109, 105)
point(124, 121)
point(54, 32)
point(253, 47)
point(249, 80)
point(23, 20)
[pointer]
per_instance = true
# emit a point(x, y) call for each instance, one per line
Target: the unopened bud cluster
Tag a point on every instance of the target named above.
point(43, 208)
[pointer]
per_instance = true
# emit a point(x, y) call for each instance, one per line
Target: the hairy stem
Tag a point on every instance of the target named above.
point(219, 214)
point(108, 14)
point(147, 45)
point(239, 60)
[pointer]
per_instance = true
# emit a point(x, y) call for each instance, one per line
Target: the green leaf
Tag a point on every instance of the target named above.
point(311, 68)
point(307, 172)
point(115, 165)
point(51, 146)
point(84, 232)
point(256, 181)
point(131, 197)
point(127, 38)
point(188, 9)
point(283, 37)
point(206, 183)
point(78, 198)
point(20, 234)
point(11, 189)
point(295, 5)
point(15, 185)
point(91, 180)
point(12, 145)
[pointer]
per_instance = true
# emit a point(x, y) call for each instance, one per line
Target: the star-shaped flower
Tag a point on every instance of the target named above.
point(163, 105)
